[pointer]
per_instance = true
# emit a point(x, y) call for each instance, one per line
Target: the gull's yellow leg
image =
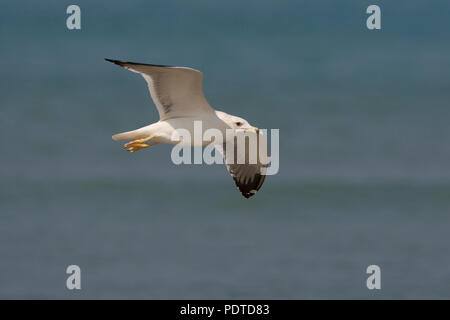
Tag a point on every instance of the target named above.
point(138, 146)
point(137, 141)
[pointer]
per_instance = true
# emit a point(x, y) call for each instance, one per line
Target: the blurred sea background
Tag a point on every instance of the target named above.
point(364, 151)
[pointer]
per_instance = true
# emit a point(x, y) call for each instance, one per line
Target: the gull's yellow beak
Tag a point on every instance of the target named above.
point(255, 129)
point(251, 129)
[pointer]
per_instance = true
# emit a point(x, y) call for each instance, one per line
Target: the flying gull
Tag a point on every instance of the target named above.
point(178, 95)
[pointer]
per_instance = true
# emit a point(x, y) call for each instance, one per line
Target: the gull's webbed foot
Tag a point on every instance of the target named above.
point(139, 144)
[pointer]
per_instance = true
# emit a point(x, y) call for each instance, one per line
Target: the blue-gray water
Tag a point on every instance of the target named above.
point(364, 141)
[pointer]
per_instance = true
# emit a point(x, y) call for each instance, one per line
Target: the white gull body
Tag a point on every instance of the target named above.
point(178, 95)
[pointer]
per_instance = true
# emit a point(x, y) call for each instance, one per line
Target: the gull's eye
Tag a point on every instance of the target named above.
point(239, 123)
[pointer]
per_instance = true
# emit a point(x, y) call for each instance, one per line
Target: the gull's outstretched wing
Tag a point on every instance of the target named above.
point(249, 176)
point(176, 91)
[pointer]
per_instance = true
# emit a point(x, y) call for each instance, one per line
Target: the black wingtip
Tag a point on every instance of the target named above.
point(118, 62)
point(250, 190)
point(123, 63)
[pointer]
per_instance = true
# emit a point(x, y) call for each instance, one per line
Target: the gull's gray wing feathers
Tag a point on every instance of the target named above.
point(248, 177)
point(176, 91)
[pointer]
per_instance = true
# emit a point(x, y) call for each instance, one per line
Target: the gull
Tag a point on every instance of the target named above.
point(178, 95)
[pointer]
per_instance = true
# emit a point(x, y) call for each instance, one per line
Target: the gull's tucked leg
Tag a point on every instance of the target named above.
point(137, 141)
point(138, 146)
